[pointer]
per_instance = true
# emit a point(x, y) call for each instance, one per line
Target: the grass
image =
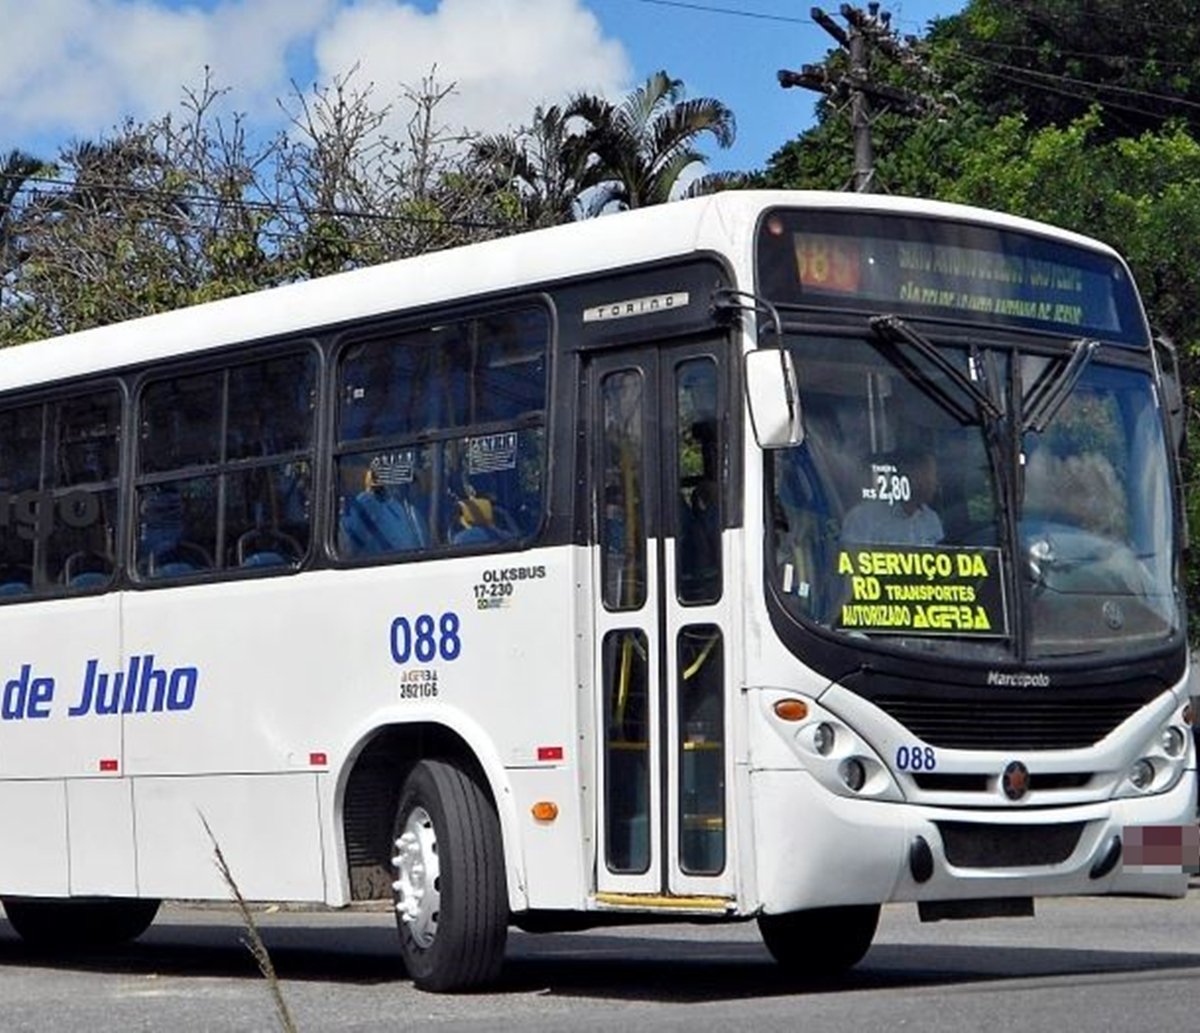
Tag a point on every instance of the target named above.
point(254, 942)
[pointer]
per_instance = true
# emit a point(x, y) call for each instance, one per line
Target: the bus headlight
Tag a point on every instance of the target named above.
point(853, 774)
point(1163, 761)
point(1141, 775)
point(1173, 741)
point(828, 748)
point(823, 738)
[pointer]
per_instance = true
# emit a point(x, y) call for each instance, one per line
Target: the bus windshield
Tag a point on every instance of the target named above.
point(909, 520)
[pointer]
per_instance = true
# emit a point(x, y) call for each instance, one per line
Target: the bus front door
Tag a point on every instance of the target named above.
point(660, 494)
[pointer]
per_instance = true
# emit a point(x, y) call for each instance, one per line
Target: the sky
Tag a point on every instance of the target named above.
point(75, 69)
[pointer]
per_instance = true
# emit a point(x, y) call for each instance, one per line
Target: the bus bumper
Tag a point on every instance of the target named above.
point(817, 849)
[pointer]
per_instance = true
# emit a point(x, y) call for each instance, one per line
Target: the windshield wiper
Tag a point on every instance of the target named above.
point(896, 331)
point(1048, 397)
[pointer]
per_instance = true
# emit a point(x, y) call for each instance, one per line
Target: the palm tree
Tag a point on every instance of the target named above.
point(642, 146)
point(16, 171)
point(545, 165)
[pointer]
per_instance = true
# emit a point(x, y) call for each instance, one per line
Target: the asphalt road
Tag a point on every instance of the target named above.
point(1083, 964)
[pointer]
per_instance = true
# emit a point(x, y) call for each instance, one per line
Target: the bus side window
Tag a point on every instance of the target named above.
point(20, 471)
point(269, 436)
point(58, 469)
point(81, 550)
point(441, 436)
point(225, 468)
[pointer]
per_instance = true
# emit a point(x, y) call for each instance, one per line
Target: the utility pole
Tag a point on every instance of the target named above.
point(868, 32)
point(860, 111)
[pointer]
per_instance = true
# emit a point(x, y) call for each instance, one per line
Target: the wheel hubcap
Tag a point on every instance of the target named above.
point(418, 896)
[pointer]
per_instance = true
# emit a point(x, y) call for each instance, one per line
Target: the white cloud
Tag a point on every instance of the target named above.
point(76, 68)
point(505, 56)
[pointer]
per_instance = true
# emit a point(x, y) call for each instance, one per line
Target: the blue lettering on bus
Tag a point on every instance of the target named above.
point(26, 696)
point(426, 638)
point(141, 688)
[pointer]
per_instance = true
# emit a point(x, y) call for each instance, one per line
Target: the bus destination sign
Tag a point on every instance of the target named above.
point(946, 277)
point(950, 271)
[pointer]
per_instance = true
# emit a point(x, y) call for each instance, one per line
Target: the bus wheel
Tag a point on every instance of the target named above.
point(83, 922)
point(821, 942)
point(450, 890)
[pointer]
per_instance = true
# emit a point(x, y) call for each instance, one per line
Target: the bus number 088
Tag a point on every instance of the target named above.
point(426, 638)
point(916, 758)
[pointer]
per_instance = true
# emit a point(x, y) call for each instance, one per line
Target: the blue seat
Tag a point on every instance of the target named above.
point(267, 547)
point(381, 520)
point(90, 579)
point(86, 570)
point(179, 560)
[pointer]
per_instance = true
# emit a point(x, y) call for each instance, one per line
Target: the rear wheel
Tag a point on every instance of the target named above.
point(450, 889)
point(84, 922)
point(821, 942)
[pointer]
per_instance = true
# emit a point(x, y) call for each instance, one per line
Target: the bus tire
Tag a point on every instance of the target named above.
point(450, 892)
point(821, 942)
point(79, 923)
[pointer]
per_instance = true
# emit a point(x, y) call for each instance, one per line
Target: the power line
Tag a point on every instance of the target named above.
point(711, 9)
point(1012, 71)
point(1122, 59)
point(245, 204)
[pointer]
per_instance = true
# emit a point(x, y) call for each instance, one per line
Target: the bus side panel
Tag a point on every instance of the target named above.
point(101, 848)
point(51, 725)
point(279, 674)
point(33, 844)
point(267, 827)
point(554, 868)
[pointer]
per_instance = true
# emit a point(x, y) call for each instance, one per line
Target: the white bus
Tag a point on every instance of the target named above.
point(769, 555)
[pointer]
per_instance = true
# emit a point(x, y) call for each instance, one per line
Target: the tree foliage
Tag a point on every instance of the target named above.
point(541, 170)
point(194, 206)
point(1054, 60)
point(642, 147)
point(187, 208)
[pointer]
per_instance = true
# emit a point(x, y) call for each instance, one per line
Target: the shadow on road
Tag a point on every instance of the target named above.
point(662, 969)
point(624, 967)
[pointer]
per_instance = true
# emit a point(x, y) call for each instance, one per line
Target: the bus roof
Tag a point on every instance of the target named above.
point(724, 223)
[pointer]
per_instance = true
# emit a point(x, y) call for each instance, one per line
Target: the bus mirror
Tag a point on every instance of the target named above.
point(1168, 364)
point(772, 397)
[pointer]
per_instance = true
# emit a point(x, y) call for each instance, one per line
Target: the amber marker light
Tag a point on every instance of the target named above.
point(544, 810)
point(791, 709)
point(1189, 715)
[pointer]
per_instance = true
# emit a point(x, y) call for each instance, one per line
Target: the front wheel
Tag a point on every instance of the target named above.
point(83, 922)
point(821, 942)
point(450, 890)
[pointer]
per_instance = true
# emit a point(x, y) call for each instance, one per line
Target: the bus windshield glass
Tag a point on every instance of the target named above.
point(903, 519)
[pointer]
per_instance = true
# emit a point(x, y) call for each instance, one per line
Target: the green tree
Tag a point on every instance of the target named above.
point(17, 169)
point(1054, 60)
point(184, 209)
point(642, 147)
point(16, 172)
point(540, 170)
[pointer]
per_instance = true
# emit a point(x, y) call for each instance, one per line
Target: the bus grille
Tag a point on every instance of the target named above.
point(936, 782)
point(971, 845)
point(1008, 725)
